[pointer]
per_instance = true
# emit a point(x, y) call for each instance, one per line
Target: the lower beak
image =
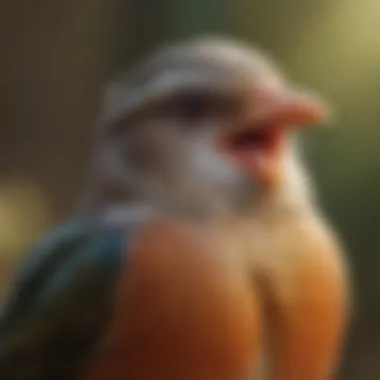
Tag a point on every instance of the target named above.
point(259, 143)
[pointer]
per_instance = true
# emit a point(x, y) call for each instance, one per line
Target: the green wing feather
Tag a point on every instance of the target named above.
point(60, 302)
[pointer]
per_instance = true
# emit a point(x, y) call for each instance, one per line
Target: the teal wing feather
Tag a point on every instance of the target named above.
point(60, 302)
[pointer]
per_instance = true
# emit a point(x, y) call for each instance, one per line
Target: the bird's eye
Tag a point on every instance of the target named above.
point(195, 106)
point(198, 106)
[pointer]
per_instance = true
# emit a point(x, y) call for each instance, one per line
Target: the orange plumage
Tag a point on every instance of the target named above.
point(186, 310)
point(190, 308)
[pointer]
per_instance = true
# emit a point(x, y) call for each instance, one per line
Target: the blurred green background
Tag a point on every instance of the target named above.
point(56, 55)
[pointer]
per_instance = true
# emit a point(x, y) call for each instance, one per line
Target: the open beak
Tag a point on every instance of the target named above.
point(258, 143)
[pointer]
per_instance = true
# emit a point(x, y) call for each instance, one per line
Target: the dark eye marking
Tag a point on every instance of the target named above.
point(195, 106)
point(199, 105)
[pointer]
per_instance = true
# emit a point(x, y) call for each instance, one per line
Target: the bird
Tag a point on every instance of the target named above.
point(200, 250)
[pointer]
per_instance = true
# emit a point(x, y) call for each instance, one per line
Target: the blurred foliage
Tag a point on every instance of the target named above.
point(57, 55)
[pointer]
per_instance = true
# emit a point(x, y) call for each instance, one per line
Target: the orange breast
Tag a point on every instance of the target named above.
point(186, 310)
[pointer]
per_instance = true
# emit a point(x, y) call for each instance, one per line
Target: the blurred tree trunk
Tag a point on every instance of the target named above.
point(54, 58)
point(55, 55)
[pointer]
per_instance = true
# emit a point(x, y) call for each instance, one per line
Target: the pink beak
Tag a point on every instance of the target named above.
point(290, 108)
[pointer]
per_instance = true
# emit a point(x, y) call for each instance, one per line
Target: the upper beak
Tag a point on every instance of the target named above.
point(291, 108)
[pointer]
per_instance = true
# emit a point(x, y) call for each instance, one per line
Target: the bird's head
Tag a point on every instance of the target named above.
point(206, 125)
